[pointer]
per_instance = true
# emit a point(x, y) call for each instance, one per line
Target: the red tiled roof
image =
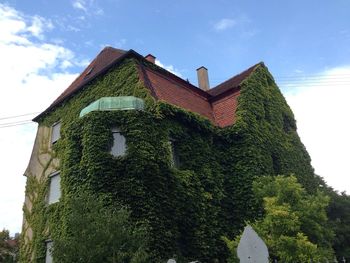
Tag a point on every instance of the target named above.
point(102, 61)
point(233, 82)
point(12, 242)
point(218, 104)
point(224, 108)
point(106, 57)
point(179, 94)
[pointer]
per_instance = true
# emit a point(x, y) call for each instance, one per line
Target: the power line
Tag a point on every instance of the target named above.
point(16, 116)
point(308, 83)
point(14, 122)
point(283, 80)
point(18, 124)
point(315, 77)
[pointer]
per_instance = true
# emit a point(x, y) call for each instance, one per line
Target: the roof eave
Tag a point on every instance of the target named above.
point(224, 94)
point(102, 71)
point(129, 53)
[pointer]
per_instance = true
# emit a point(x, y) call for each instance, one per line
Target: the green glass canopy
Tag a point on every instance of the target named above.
point(114, 103)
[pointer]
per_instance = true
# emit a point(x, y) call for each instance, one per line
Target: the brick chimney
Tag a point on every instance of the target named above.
point(203, 79)
point(151, 58)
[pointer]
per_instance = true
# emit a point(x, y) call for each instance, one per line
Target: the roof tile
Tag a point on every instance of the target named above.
point(217, 104)
point(233, 82)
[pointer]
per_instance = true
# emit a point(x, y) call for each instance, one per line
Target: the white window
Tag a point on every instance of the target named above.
point(119, 143)
point(48, 258)
point(174, 157)
point(55, 132)
point(54, 188)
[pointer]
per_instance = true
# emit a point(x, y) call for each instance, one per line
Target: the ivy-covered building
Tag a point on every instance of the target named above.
point(182, 158)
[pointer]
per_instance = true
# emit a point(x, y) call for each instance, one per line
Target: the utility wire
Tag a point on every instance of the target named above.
point(333, 83)
point(315, 77)
point(16, 116)
point(15, 122)
point(18, 124)
point(286, 80)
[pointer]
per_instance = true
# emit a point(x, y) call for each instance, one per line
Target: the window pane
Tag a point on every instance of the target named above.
point(48, 258)
point(55, 189)
point(174, 158)
point(119, 144)
point(55, 134)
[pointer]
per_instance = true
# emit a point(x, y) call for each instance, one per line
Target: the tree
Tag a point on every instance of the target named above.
point(339, 216)
point(294, 224)
point(338, 212)
point(98, 233)
point(8, 247)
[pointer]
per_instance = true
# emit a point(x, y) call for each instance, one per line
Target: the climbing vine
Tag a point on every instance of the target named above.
point(188, 208)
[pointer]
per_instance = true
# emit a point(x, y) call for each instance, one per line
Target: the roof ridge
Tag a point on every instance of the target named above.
point(109, 56)
point(252, 68)
point(234, 81)
point(184, 83)
point(93, 70)
point(194, 87)
point(146, 80)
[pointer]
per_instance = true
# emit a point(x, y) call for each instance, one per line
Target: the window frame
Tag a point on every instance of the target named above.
point(53, 138)
point(174, 155)
point(54, 174)
point(116, 130)
point(48, 254)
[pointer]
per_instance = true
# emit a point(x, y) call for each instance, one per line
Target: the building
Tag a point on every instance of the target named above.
point(179, 156)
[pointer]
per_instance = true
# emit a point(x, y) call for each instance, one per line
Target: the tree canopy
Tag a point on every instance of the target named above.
point(98, 233)
point(294, 223)
point(8, 247)
point(339, 216)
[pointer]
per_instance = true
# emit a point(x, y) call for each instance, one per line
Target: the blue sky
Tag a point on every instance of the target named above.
point(305, 44)
point(226, 36)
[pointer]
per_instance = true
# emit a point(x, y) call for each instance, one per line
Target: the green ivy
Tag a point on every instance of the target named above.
point(187, 209)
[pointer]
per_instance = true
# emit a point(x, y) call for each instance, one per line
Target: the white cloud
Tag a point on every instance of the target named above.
point(79, 4)
point(33, 74)
point(321, 107)
point(224, 24)
point(170, 68)
point(39, 25)
point(88, 7)
point(16, 28)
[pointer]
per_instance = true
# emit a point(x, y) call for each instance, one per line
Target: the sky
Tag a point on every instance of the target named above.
point(45, 44)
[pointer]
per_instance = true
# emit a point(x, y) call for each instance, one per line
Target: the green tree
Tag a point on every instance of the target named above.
point(97, 233)
point(294, 225)
point(8, 247)
point(339, 216)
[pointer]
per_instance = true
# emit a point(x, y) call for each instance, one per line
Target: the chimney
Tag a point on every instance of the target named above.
point(203, 80)
point(151, 58)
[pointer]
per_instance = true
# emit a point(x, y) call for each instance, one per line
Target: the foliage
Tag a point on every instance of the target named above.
point(232, 247)
point(339, 217)
point(263, 141)
point(37, 214)
point(8, 247)
point(294, 225)
point(187, 209)
point(338, 213)
point(98, 233)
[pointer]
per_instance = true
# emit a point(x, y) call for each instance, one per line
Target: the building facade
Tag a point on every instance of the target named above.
point(182, 158)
